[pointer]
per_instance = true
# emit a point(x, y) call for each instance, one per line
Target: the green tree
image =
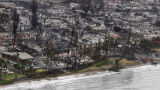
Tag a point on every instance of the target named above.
point(46, 62)
point(1, 69)
point(106, 45)
point(17, 57)
point(98, 48)
point(100, 44)
point(30, 69)
point(4, 65)
point(51, 59)
point(90, 48)
point(19, 67)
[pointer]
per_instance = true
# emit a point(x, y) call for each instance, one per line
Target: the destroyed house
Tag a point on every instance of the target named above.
point(23, 57)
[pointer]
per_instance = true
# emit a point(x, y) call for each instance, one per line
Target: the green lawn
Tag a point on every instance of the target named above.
point(11, 76)
point(101, 63)
point(40, 70)
point(6, 82)
point(109, 61)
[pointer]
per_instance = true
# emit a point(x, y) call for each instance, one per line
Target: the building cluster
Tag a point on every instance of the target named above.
point(59, 22)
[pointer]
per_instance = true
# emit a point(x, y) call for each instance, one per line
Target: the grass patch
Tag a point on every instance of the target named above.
point(6, 82)
point(11, 76)
point(40, 70)
point(101, 63)
point(43, 75)
point(109, 61)
point(112, 61)
point(125, 62)
point(1, 6)
point(74, 71)
point(38, 76)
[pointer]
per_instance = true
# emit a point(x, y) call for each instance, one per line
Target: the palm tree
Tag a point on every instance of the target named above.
point(17, 57)
point(5, 63)
point(46, 62)
point(18, 67)
point(98, 49)
point(1, 69)
point(53, 58)
point(30, 65)
point(90, 47)
point(106, 46)
point(50, 59)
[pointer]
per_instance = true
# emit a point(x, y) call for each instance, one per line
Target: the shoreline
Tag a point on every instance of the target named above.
point(99, 69)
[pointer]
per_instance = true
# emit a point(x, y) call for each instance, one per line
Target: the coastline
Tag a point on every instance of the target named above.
point(83, 71)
